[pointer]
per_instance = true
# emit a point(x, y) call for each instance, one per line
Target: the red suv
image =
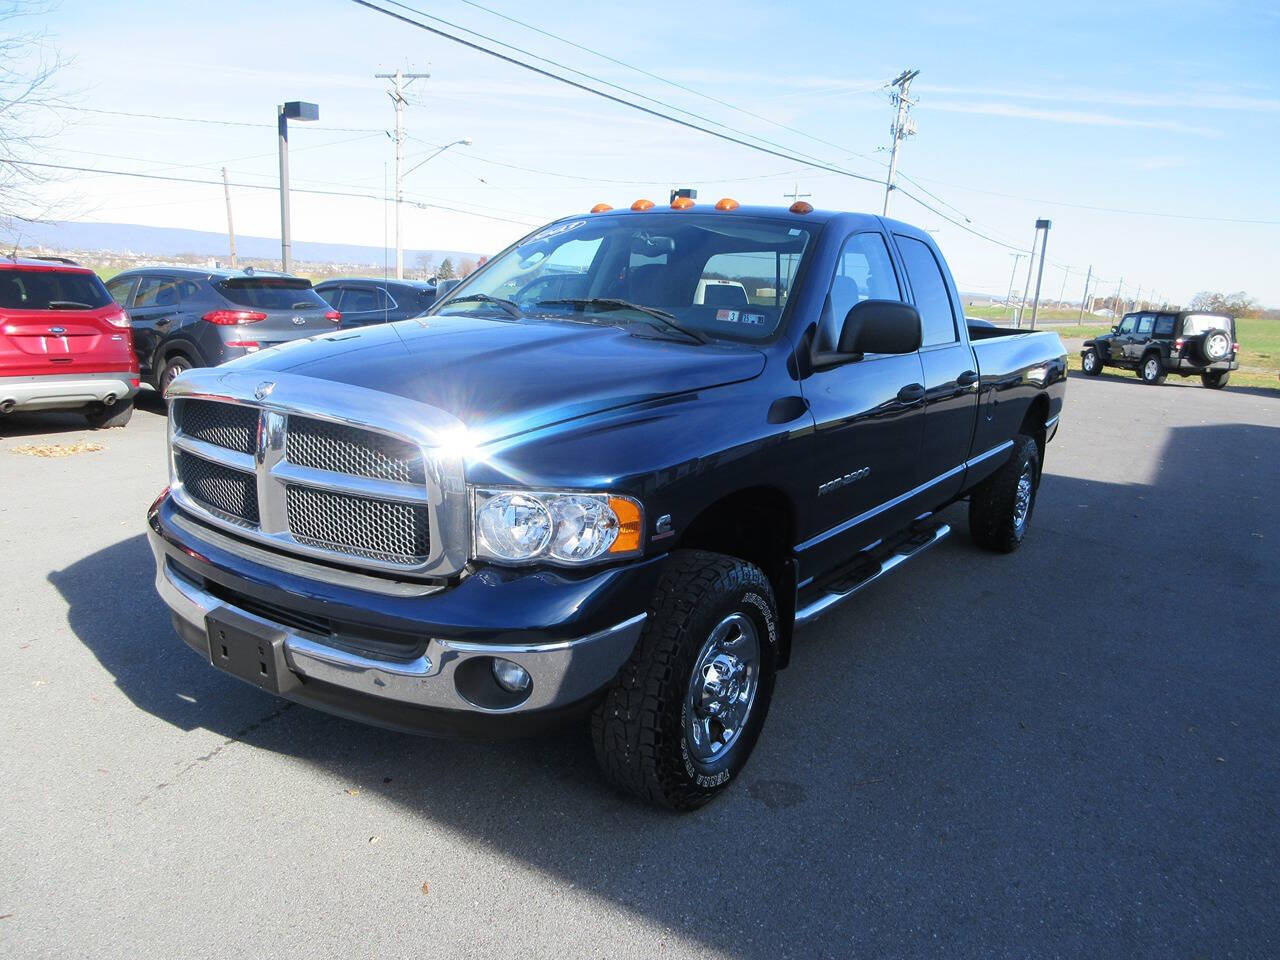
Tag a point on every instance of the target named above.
point(64, 343)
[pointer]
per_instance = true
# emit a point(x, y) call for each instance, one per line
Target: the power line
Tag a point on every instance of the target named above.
point(205, 120)
point(792, 157)
point(258, 186)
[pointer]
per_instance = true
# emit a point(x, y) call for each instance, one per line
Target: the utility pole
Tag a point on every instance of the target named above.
point(1063, 292)
point(399, 84)
point(1084, 297)
point(231, 229)
point(1008, 300)
point(1026, 289)
point(901, 128)
point(1118, 311)
point(1044, 245)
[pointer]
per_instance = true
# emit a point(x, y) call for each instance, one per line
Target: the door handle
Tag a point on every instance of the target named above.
point(967, 379)
point(911, 393)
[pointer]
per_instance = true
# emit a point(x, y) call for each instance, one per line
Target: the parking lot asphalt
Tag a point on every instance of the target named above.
point(1067, 752)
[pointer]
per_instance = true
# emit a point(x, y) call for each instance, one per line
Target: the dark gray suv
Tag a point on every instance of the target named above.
point(183, 317)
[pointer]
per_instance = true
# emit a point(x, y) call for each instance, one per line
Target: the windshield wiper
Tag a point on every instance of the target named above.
point(68, 305)
point(612, 303)
point(510, 307)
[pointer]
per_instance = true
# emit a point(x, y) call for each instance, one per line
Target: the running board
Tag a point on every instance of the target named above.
point(843, 590)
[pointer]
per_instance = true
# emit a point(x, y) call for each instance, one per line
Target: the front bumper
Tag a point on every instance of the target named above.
point(414, 661)
point(66, 391)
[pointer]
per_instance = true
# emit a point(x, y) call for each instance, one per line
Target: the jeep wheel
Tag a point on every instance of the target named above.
point(1215, 380)
point(1000, 507)
point(1215, 345)
point(1152, 370)
point(685, 711)
point(1090, 362)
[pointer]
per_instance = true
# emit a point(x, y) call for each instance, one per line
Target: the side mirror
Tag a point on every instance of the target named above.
point(880, 326)
point(1115, 328)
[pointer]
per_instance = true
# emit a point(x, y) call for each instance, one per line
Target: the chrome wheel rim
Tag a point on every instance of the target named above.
point(1089, 360)
point(171, 373)
point(1022, 499)
point(722, 688)
point(1153, 369)
point(1217, 346)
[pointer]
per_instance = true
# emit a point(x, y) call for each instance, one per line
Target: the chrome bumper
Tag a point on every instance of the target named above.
point(562, 672)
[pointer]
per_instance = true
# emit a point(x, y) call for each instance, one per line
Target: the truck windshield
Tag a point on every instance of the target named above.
point(713, 275)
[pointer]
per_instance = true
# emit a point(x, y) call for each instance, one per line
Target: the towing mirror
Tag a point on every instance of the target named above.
point(880, 326)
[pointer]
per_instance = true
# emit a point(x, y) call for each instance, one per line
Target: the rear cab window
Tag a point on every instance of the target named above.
point(271, 293)
point(933, 299)
point(38, 289)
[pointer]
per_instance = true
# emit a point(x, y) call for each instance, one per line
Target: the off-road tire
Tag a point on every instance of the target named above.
point(1202, 345)
point(102, 417)
point(1146, 367)
point(638, 727)
point(1094, 369)
point(1216, 381)
point(993, 522)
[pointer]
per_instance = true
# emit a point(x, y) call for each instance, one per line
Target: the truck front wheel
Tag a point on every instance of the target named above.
point(1090, 362)
point(685, 711)
point(1000, 507)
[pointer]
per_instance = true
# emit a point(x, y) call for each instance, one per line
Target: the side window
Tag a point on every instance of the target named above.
point(933, 300)
point(359, 299)
point(1126, 325)
point(120, 289)
point(1144, 325)
point(148, 287)
point(384, 300)
point(332, 296)
point(864, 271)
point(1164, 325)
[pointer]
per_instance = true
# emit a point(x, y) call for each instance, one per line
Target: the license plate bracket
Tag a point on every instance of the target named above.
point(244, 649)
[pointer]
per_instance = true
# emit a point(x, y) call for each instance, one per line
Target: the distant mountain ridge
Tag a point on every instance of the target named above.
point(134, 238)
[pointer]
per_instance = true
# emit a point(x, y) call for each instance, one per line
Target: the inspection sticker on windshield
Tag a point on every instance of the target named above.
point(736, 316)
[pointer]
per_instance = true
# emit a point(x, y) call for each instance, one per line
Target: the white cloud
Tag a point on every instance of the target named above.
point(1075, 117)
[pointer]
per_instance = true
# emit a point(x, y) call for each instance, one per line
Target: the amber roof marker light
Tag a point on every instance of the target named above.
point(642, 205)
point(601, 208)
point(727, 203)
point(682, 203)
point(801, 207)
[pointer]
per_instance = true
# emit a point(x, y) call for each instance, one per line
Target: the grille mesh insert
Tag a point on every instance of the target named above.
point(221, 488)
point(383, 530)
point(222, 424)
point(361, 453)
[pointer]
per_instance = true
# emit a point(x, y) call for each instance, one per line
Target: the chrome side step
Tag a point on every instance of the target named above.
point(843, 590)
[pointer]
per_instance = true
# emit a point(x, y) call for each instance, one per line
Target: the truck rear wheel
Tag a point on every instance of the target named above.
point(1215, 380)
point(684, 713)
point(1000, 507)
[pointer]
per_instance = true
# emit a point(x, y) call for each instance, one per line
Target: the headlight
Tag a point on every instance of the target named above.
point(524, 526)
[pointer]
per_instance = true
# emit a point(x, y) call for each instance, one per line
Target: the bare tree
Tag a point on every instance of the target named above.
point(29, 65)
point(424, 264)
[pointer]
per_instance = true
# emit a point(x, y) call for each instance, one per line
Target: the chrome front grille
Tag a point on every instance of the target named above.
point(226, 425)
point(228, 491)
point(342, 491)
point(359, 526)
point(338, 447)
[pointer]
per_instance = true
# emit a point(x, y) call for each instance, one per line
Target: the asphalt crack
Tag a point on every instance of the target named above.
point(236, 737)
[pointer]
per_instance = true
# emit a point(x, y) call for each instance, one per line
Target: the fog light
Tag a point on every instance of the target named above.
point(510, 676)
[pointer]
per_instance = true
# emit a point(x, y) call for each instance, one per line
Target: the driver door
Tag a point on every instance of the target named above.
point(1123, 337)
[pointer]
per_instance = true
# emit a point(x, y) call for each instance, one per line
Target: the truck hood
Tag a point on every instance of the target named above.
point(504, 377)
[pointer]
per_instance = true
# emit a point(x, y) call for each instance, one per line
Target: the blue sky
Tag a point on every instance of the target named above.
point(1024, 111)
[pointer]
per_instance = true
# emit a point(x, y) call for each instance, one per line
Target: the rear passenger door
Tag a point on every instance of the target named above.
point(950, 371)
point(1137, 343)
point(150, 319)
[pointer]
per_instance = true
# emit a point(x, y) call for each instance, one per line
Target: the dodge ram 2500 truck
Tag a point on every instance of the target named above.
point(591, 482)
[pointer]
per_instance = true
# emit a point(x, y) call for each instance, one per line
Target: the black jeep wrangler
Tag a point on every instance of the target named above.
point(1156, 344)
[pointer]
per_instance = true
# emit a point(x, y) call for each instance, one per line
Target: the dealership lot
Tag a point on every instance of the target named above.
point(1066, 752)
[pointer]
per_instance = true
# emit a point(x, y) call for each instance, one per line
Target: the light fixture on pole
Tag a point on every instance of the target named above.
point(293, 110)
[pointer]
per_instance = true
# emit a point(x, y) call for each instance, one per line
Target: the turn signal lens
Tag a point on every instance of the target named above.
point(682, 203)
point(727, 203)
point(629, 525)
point(642, 205)
point(801, 207)
point(601, 208)
point(231, 318)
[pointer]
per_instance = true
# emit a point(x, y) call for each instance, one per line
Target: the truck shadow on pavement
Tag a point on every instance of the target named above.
point(985, 755)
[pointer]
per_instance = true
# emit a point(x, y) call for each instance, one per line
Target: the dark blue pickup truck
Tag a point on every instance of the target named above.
point(608, 475)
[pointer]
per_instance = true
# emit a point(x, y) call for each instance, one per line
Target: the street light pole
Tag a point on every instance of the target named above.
point(293, 110)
